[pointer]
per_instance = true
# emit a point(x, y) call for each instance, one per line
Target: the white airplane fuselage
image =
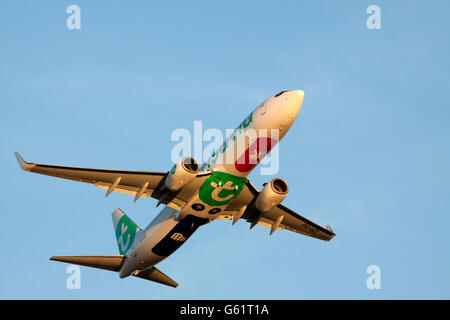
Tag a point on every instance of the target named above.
point(230, 165)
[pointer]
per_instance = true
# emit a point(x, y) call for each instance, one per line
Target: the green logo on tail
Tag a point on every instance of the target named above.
point(125, 232)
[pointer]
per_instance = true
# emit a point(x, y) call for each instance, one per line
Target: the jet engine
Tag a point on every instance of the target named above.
point(182, 174)
point(271, 195)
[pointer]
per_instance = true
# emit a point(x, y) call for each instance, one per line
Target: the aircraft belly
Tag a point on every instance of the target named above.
point(178, 235)
point(154, 233)
point(165, 235)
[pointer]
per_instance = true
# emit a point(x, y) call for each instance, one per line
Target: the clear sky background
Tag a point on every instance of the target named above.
point(369, 153)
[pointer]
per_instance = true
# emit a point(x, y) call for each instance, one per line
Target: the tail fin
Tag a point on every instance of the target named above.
point(126, 231)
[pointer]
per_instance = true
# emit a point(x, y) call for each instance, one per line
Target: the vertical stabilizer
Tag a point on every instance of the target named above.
point(127, 232)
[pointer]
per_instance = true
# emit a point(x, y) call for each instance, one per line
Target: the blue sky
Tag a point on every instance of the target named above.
point(369, 153)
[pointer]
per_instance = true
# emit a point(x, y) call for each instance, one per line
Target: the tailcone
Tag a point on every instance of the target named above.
point(129, 266)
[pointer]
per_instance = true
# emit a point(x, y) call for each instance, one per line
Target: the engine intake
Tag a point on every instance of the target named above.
point(182, 174)
point(271, 195)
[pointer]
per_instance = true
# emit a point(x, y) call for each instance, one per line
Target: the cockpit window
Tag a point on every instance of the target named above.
point(280, 93)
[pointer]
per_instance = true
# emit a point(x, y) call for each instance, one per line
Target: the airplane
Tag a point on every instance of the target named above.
point(195, 195)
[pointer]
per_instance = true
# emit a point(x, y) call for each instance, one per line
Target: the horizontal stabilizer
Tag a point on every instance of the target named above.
point(155, 275)
point(112, 263)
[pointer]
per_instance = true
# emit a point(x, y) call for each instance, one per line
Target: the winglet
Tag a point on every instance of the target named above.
point(23, 164)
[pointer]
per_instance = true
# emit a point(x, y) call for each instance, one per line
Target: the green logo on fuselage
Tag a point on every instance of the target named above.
point(220, 188)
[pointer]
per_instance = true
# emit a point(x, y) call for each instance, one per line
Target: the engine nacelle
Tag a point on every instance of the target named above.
point(271, 195)
point(182, 174)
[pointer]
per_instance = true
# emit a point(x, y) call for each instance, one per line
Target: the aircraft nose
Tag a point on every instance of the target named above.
point(297, 97)
point(300, 94)
point(294, 101)
point(290, 108)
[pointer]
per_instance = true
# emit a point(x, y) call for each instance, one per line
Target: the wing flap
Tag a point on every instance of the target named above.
point(137, 183)
point(90, 175)
point(146, 183)
point(291, 220)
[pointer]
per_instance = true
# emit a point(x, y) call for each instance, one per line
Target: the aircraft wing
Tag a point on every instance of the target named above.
point(149, 184)
point(137, 183)
point(278, 218)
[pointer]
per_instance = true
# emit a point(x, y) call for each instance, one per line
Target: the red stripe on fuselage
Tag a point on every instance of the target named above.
point(254, 154)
